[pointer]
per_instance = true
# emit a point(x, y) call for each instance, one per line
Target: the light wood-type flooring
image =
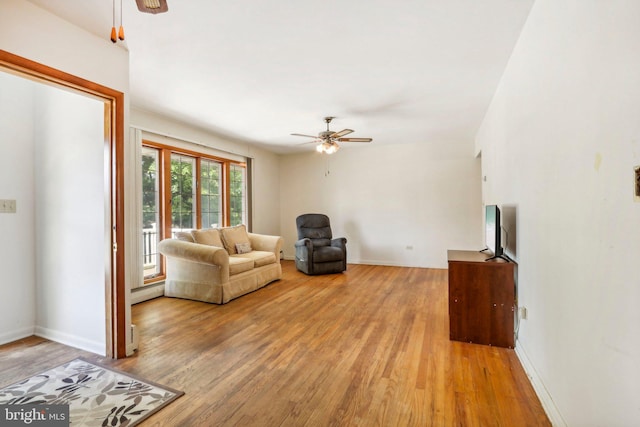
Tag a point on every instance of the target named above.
point(369, 347)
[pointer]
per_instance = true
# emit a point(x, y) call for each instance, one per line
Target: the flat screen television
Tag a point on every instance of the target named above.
point(492, 230)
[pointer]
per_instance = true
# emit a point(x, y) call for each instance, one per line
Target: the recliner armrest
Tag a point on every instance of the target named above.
point(304, 242)
point(339, 242)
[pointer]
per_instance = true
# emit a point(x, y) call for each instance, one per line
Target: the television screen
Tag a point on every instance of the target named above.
point(492, 230)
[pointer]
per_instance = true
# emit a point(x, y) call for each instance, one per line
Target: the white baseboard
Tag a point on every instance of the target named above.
point(543, 394)
point(374, 262)
point(148, 292)
point(16, 335)
point(366, 262)
point(72, 340)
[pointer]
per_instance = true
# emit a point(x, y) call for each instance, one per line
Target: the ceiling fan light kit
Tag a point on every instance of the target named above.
point(152, 6)
point(328, 140)
point(327, 147)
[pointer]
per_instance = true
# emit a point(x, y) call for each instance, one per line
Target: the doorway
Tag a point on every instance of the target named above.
point(110, 104)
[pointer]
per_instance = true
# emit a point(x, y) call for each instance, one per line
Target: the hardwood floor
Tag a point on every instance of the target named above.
point(369, 347)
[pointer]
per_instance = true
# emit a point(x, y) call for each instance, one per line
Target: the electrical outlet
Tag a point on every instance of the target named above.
point(523, 313)
point(7, 206)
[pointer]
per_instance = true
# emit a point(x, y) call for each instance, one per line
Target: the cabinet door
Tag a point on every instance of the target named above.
point(502, 306)
point(469, 313)
point(481, 303)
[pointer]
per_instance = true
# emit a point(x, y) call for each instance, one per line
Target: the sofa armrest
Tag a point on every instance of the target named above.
point(194, 252)
point(264, 242)
point(195, 271)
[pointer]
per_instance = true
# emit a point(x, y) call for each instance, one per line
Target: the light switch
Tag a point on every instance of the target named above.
point(7, 206)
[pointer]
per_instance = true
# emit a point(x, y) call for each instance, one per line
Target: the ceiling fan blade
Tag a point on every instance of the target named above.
point(301, 134)
point(355, 139)
point(343, 132)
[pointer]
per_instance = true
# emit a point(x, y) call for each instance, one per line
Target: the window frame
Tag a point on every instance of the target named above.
point(199, 190)
point(164, 187)
point(160, 272)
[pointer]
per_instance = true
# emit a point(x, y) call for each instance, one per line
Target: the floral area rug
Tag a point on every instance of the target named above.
point(96, 395)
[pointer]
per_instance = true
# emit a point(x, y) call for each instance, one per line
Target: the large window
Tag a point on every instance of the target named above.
point(183, 190)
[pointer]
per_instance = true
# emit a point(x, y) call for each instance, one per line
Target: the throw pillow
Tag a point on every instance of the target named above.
point(243, 248)
point(209, 236)
point(232, 236)
point(184, 235)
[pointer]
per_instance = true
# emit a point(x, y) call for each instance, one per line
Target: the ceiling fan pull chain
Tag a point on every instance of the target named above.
point(113, 28)
point(121, 31)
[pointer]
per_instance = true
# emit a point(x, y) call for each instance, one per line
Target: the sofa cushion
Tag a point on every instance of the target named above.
point(231, 236)
point(209, 236)
point(238, 264)
point(184, 236)
point(259, 258)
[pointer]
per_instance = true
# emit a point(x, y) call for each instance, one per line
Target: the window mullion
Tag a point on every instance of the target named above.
point(166, 193)
point(226, 182)
point(198, 196)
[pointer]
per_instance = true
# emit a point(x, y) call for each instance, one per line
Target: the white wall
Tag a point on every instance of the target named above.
point(17, 251)
point(70, 218)
point(560, 141)
point(53, 247)
point(384, 199)
point(266, 192)
point(29, 31)
point(35, 34)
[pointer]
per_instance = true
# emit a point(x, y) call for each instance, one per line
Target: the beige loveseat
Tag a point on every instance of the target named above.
point(218, 265)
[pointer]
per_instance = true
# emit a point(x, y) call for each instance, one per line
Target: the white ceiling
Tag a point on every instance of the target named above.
point(399, 71)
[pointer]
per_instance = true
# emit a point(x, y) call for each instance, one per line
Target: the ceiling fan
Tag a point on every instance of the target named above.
point(328, 140)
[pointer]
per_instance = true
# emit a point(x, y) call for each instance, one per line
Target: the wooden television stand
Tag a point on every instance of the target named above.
point(481, 299)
